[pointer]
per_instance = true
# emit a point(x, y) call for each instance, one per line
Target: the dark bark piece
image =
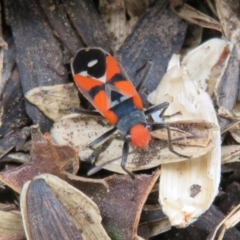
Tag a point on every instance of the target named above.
point(9, 59)
point(188, 233)
point(157, 35)
point(12, 140)
point(228, 88)
point(14, 114)
point(59, 21)
point(85, 18)
point(36, 47)
point(229, 198)
point(47, 218)
point(231, 172)
point(209, 220)
point(152, 215)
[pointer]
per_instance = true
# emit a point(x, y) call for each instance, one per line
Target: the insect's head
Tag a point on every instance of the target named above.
point(139, 136)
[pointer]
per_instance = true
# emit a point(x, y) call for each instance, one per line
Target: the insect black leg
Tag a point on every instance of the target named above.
point(154, 109)
point(99, 149)
point(102, 137)
point(145, 75)
point(85, 112)
point(157, 126)
point(125, 152)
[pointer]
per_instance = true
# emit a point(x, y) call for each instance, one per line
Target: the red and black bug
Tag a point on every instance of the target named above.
point(103, 82)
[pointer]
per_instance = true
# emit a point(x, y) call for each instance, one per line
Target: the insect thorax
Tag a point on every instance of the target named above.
point(128, 121)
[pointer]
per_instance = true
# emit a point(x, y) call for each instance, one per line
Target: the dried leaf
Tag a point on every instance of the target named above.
point(54, 101)
point(79, 130)
point(177, 179)
point(46, 157)
point(192, 15)
point(121, 203)
point(70, 214)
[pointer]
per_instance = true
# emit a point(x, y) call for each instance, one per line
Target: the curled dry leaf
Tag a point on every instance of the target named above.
point(46, 157)
point(53, 209)
point(120, 203)
point(79, 130)
point(54, 101)
point(192, 15)
point(11, 227)
point(230, 23)
point(185, 96)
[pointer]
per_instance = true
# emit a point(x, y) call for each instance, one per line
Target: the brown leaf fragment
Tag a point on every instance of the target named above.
point(194, 16)
point(13, 140)
point(46, 157)
point(84, 17)
point(120, 204)
point(194, 190)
